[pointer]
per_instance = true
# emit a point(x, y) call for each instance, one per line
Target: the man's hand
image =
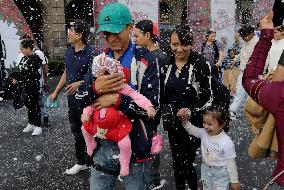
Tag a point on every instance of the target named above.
point(106, 100)
point(53, 96)
point(266, 21)
point(235, 186)
point(109, 83)
point(72, 88)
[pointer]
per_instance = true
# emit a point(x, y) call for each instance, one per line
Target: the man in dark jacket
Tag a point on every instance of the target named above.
point(116, 23)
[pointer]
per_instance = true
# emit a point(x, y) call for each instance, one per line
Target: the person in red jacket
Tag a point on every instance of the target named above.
point(268, 94)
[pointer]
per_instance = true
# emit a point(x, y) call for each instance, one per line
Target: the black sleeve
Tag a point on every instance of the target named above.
point(150, 88)
point(85, 94)
point(203, 77)
point(34, 63)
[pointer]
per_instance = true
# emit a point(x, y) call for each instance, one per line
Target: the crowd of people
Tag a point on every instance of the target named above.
point(118, 98)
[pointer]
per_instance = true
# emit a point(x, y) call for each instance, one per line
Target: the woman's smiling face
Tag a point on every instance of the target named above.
point(181, 51)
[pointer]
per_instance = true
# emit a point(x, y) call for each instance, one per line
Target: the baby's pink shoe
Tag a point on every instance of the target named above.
point(157, 144)
point(124, 171)
point(90, 147)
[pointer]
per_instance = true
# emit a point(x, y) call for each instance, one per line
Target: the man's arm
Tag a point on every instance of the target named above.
point(59, 87)
point(150, 88)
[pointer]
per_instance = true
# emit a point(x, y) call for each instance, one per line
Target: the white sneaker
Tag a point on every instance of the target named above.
point(233, 115)
point(75, 169)
point(29, 128)
point(37, 131)
point(156, 187)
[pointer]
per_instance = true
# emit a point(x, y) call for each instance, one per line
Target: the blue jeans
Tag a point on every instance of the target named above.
point(42, 98)
point(139, 173)
point(240, 96)
point(214, 177)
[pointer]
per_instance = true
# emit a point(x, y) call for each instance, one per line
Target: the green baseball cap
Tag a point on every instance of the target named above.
point(113, 18)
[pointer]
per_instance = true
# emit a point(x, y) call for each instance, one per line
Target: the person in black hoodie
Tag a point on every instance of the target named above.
point(145, 34)
point(187, 84)
point(27, 76)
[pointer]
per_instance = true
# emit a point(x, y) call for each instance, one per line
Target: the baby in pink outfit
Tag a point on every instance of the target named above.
point(111, 124)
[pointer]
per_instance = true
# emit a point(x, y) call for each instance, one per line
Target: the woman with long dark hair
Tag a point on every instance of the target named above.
point(187, 84)
point(29, 76)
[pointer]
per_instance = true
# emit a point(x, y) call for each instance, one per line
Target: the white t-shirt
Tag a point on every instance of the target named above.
point(274, 54)
point(246, 52)
point(215, 149)
point(44, 61)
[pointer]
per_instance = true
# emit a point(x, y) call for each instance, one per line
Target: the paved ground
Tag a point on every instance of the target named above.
point(38, 163)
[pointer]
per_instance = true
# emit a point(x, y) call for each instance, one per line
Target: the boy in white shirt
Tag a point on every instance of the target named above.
point(218, 169)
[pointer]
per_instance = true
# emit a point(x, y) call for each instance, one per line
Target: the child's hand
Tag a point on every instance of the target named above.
point(85, 118)
point(151, 112)
point(184, 114)
point(235, 186)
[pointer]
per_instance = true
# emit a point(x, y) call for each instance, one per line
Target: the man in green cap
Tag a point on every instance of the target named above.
point(142, 74)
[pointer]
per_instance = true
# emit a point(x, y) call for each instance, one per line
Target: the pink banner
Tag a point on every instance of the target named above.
point(100, 43)
point(199, 18)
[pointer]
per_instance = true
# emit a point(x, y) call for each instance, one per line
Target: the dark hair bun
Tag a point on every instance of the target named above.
point(148, 26)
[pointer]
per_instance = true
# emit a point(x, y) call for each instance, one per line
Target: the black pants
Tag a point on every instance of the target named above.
point(32, 103)
point(183, 149)
point(155, 170)
point(74, 114)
